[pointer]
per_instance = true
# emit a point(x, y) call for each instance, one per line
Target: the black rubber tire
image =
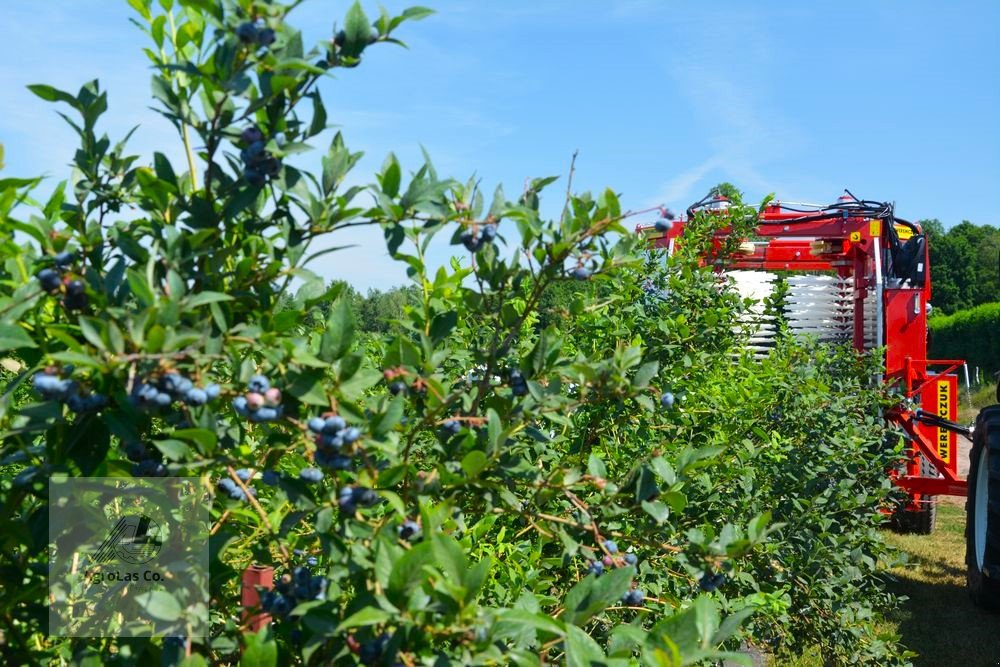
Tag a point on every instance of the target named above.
point(983, 579)
point(916, 522)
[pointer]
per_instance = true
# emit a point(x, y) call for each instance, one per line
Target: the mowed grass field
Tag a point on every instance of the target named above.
point(938, 621)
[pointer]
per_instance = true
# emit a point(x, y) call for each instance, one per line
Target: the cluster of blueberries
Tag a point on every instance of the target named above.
point(580, 272)
point(474, 241)
point(451, 427)
point(632, 597)
point(261, 403)
point(146, 461)
point(233, 489)
point(371, 652)
point(332, 435)
point(255, 32)
point(258, 163)
point(292, 589)
point(172, 387)
point(51, 279)
point(51, 387)
point(398, 387)
point(518, 385)
point(666, 221)
point(710, 581)
point(352, 497)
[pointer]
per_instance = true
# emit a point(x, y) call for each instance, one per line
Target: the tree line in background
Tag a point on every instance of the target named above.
point(965, 265)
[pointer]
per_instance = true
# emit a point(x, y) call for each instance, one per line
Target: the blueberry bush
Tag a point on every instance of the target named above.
point(483, 481)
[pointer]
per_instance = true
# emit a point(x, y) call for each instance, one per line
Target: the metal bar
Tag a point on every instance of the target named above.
point(925, 448)
point(932, 486)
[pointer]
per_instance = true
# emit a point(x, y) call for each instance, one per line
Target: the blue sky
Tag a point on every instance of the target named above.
point(894, 100)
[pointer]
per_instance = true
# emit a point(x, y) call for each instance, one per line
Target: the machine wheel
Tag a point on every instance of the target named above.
point(982, 526)
point(916, 522)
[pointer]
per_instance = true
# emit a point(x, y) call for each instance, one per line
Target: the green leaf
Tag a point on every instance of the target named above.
point(407, 572)
point(474, 462)
point(388, 420)
point(595, 594)
point(442, 324)
point(657, 510)
point(50, 94)
point(357, 31)
point(202, 298)
point(142, 7)
point(318, 122)
point(391, 176)
point(175, 450)
point(13, 337)
point(416, 13)
point(582, 650)
point(450, 557)
point(160, 605)
point(259, 649)
point(595, 466)
point(309, 387)
point(367, 616)
point(339, 333)
point(645, 373)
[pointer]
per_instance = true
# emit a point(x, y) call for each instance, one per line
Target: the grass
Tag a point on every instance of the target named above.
point(938, 621)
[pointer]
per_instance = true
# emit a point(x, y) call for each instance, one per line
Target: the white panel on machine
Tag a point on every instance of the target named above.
point(756, 285)
point(817, 305)
point(820, 306)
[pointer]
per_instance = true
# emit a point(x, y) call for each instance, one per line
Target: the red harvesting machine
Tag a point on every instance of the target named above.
point(854, 272)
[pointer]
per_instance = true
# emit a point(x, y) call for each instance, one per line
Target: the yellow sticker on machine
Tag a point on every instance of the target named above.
point(944, 411)
point(903, 232)
point(875, 228)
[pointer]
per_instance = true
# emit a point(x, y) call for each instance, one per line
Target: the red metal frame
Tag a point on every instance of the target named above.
point(847, 246)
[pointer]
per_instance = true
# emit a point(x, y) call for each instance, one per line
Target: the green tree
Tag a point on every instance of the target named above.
point(965, 265)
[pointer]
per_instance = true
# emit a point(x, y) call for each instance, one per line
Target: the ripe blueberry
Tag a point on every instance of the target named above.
point(596, 568)
point(663, 225)
point(610, 546)
point(196, 396)
point(243, 474)
point(255, 400)
point(631, 559)
point(316, 424)
point(251, 135)
point(270, 477)
point(266, 37)
point(580, 273)
point(49, 279)
point(633, 598)
point(409, 529)
point(240, 406)
point(272, 397)
point(311, 475)
point(667, 400)
point(247, 32)
point(397, 387)
point(212, 391)
point(255, 177)
point(64, 259)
